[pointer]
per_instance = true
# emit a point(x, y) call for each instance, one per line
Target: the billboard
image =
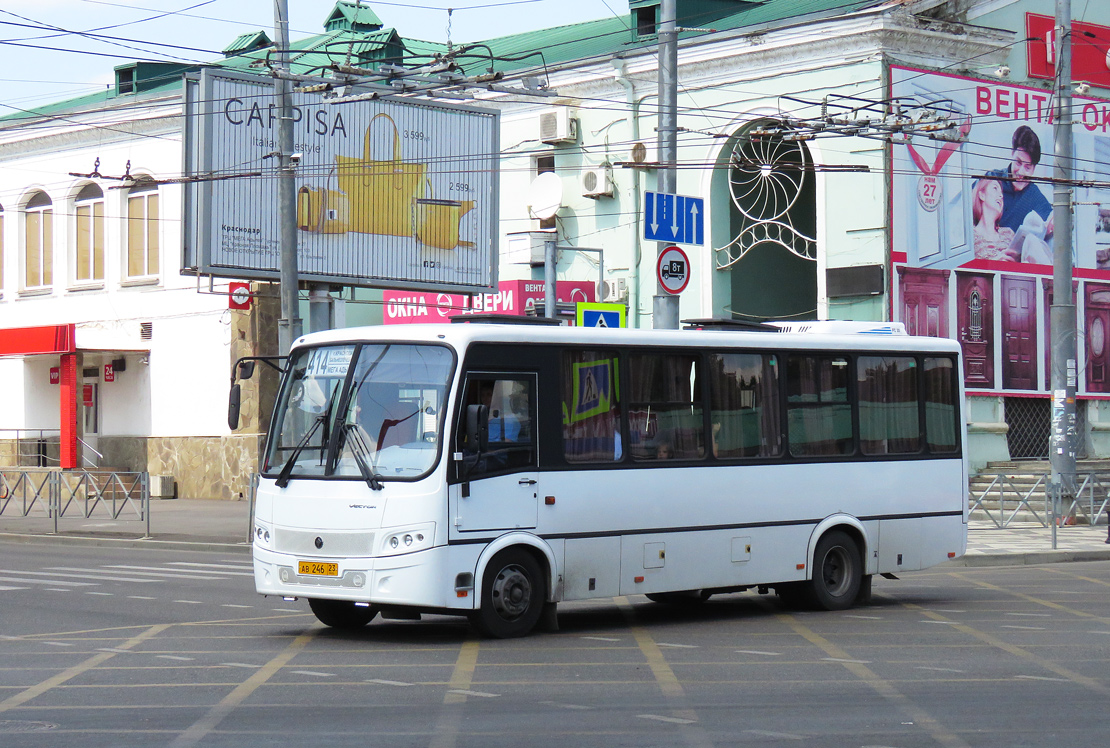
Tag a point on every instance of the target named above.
point(389, 192)
point(517, 298)
point(972, 229)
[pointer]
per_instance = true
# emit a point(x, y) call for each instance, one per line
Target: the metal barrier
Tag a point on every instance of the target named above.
point(1003, 487)
point(55, 493)
point(1090, 498)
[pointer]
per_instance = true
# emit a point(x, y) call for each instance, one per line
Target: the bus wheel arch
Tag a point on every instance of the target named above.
point(836, 575)
point(512, 592)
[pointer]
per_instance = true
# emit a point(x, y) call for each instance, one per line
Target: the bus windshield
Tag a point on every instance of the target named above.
point(370, 411)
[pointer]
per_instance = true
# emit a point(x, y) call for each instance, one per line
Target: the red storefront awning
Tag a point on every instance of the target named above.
point(30, 341)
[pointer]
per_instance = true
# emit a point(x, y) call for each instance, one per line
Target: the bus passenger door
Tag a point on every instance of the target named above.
point(498, 489)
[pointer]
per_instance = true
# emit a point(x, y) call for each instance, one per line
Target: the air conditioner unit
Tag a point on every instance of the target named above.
point(558, 125)
point(597, 181)
point(616, 290)
point(161, 487)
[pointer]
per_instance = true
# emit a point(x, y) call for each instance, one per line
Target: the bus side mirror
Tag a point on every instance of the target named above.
point(233, 407)
point(246, 369)
point(477, 428)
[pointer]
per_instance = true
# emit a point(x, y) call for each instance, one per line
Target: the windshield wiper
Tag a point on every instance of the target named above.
point(287, 470)
point(360, 450)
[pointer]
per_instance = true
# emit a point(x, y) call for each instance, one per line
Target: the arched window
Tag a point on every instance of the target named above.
point(771, 252)
point(38, 251)
point(142, 230)
point(89, 257)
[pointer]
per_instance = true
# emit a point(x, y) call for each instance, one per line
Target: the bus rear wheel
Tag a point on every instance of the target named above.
point(513, 594)
point(837, 571)
point(342, 614)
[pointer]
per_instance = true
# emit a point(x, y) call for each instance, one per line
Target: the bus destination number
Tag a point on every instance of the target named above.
point(318, 569)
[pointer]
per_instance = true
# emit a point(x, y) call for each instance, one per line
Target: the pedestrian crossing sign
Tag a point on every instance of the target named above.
point(592, 314)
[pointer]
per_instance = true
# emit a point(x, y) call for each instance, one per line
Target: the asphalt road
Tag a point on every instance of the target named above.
point(111, 647)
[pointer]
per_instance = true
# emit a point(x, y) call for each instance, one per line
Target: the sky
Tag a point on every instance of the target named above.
point(42, 60)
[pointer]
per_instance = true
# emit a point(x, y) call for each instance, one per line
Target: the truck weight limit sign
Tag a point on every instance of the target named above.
point(673, 270)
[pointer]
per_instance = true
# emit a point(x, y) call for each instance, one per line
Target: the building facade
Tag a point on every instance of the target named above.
point(795, 222)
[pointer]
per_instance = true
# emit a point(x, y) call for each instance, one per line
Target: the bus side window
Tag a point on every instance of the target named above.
point(819, 415)
point(511, 416)
point(744, 401)
point(941, 412)
point(665, 409)
point(591, 406)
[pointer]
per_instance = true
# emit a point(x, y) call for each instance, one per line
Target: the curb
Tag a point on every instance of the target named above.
point(1027, 558)
point(133, 543)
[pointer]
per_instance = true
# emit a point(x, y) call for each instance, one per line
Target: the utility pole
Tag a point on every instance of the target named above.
point(1063, 321)
point(665, 305)
point(289, 326)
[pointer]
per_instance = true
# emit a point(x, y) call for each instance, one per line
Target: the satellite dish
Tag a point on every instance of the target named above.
point(545, 195)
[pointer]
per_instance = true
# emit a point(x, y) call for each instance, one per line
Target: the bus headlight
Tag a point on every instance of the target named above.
point(408, 540)
point(261, 535)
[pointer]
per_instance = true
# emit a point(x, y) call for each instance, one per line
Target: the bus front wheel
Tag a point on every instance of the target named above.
point(342, 614)
point(512, 595)
point(837, 571)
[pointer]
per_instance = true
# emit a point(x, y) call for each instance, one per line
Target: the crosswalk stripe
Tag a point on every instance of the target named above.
point(6, 588)
point(242, 567)
point(80, 574)
point(147, 576)
point(165, 571)
point(23, 580)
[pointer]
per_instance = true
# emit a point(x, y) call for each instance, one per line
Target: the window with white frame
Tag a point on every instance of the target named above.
point(38, 254)
point(89, 251)
point(142, 230)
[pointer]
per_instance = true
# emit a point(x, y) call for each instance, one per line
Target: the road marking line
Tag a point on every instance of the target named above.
point(1041, 677)
point(869, 677)
point(672, 720)
point(384, 682)
point(467, 692)
point(240, 664)
point(758, 652)
point(768, 734)
point(35, 691)
point(865, 618)
point(842, 659)
point(1041, 662)
point(105, 594)
point(939, 669)
point(943, 623)
point(1034, 615)
point(113, 649)
point(50, 580)
point(247, 567)
point(59, 644)
point(189, 602)
point(57, 589)
point(677, 646)
point(600, 638)
point(1022, 628)
point(141, 597)
point(199, 729)
point(447, 724)
point(175, 657)
point(287, 610)
point(557, 705)
point(313, 672)
point(231, 605)
point(157, 571)
point(673, 693)
point(5, 589)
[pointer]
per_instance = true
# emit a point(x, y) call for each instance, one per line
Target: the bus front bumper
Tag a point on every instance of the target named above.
point(420, 579)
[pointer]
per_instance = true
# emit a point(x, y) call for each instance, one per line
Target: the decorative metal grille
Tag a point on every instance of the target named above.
point(1030, 420)
point(766, 177)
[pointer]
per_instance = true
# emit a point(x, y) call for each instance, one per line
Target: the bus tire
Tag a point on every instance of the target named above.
point(513, 594)
point(342, 614)
point(837, 571)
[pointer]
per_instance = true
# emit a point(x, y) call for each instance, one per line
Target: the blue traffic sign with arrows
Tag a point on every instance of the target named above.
point(677, 219)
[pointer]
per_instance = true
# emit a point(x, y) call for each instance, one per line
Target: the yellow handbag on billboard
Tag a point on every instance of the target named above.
point(380, 193)
point(321, 210)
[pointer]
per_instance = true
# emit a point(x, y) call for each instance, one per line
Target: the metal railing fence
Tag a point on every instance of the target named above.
point(54, 494)
point(1005, 497)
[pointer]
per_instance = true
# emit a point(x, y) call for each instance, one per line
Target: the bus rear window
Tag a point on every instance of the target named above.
point(940, 405)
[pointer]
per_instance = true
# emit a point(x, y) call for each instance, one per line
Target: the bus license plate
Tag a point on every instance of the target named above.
point(317, 569)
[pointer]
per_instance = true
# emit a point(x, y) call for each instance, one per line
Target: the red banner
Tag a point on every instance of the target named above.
point(1090, 47)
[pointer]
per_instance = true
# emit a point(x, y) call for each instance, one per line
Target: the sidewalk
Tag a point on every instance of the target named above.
point(198, 524)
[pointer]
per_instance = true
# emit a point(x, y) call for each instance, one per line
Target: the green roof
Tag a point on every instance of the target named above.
point(355, 33)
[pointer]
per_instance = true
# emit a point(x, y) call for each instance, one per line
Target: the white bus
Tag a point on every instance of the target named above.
point(494, 470)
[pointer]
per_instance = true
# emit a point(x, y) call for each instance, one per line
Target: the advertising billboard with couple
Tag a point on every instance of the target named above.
point(973, 229)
